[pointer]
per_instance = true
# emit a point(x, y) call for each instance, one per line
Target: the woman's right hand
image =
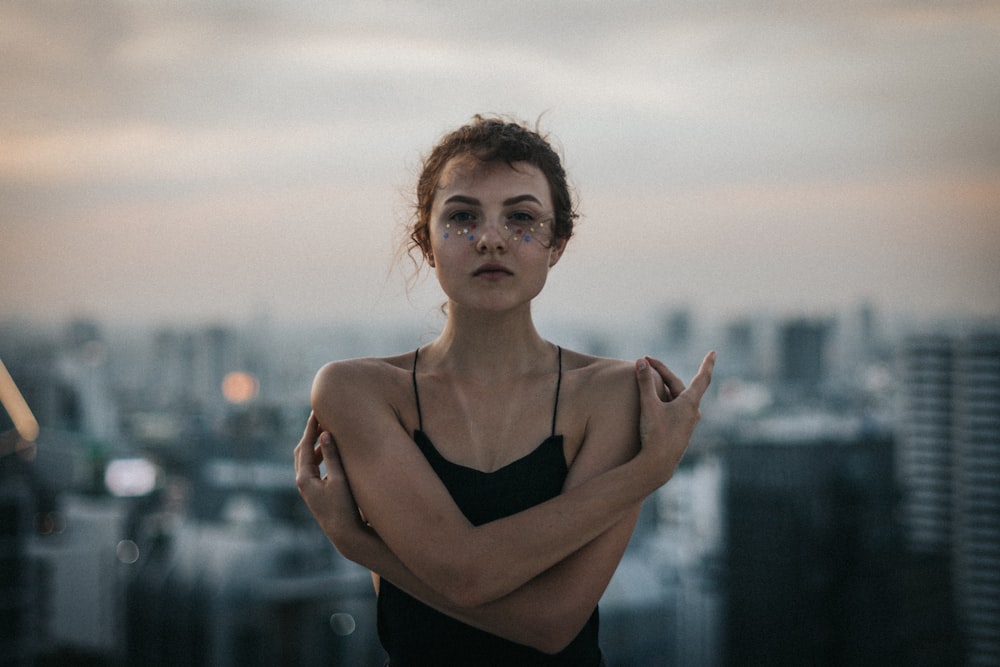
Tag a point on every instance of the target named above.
point(669, 411)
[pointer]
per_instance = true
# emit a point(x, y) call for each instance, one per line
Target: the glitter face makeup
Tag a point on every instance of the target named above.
point(493, 205)
point(512, 233)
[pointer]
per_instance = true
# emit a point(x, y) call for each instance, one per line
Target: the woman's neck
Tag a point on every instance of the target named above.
point(488, 345)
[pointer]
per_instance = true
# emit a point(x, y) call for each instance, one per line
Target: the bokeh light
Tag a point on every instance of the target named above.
point(50, 523)
point(131, 477)
point(240, 387)
point(127, 552)
point(342, 624)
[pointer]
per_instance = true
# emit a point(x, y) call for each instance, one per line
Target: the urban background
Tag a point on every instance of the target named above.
point(839, 505)
point(192, 191)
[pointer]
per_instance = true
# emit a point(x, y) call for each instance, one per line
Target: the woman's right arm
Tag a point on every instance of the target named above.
point(410, 509)
point(546, 613)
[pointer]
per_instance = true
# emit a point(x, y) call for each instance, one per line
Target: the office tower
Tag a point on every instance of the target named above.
point(810, 551)
point(923, 465)
point(949, 477)
point(803, 356)
point(976, 495)
point(18, 576)
point(678, 326)
point(741, 349)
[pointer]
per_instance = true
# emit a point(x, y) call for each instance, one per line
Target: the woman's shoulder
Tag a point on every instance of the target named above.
point(601, 376)
point(362, 376)
point(602, 402)
point(599, 368)
point(368, 365)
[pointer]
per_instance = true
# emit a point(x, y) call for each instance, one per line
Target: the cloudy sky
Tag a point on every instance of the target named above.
point(196, 160)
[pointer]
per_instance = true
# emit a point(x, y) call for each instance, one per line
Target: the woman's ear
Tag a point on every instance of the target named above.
point(556, 251)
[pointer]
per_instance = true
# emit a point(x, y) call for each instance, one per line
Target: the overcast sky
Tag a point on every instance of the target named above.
point(197, 160)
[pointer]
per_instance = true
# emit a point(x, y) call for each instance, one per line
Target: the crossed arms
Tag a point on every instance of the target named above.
point(533, 577)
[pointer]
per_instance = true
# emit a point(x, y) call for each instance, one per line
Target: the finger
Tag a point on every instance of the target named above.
point(650, 383)
point(673, 383)
point(308, 440)
point(700, 382)
point(312, 428)
point(306, 463)
point(332, 460)
point(329, 451)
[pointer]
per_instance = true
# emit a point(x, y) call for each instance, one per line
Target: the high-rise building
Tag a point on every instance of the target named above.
point(923, 465)
point(809, 547)
point(948, 470)
point(803, 353)
point(976, 495)
point(19, 581)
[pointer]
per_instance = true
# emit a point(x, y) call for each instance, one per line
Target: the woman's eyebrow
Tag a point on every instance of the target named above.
point(462, 199)
point(520, 198)
point(472, 201)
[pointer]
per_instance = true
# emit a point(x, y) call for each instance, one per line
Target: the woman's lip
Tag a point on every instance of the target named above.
point(493, 269)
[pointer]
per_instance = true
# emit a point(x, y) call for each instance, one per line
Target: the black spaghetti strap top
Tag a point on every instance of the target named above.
point(413, 633)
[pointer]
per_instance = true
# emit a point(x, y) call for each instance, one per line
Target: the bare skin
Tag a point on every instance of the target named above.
point(486, 387)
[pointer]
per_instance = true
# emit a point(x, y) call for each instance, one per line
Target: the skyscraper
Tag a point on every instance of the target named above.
point(923, 464)
point(948, 469)
point(976, 495)
point(803, 356)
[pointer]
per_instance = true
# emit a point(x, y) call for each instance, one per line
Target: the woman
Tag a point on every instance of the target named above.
point(487, 547)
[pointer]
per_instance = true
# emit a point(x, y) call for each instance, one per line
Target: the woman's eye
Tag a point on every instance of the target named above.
point(462, 217)
point(522, 216)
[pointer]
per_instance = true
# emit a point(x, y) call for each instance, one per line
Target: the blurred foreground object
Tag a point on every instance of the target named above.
point(17, 407)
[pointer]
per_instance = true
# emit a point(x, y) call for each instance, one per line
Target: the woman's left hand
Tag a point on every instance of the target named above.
point(329, 496)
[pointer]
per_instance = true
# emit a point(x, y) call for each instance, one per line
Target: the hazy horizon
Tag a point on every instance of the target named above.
point(213, 161)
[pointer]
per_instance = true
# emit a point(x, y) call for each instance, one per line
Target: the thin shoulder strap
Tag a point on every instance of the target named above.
point(416, 394)
point(555, 407)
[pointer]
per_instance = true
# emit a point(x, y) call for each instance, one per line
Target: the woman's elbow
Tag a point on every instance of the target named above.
point(461, 586)
point(555, 632)
point(466, 583)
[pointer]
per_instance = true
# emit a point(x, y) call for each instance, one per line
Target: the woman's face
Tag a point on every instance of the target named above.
point(490, 233)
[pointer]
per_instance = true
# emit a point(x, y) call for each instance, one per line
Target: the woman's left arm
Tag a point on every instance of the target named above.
point(548, 611)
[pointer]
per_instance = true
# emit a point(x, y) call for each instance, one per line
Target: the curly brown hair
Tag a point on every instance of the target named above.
point(489, 140)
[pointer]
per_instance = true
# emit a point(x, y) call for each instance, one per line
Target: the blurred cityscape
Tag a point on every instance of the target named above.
point(840, 504)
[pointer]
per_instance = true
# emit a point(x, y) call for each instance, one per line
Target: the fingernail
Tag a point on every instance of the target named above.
point(641, 364)
point(324, 438)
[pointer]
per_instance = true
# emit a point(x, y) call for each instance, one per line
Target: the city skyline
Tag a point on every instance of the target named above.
point(212, 161)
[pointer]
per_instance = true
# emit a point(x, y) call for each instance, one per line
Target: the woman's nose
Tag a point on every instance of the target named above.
point(492, 236)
